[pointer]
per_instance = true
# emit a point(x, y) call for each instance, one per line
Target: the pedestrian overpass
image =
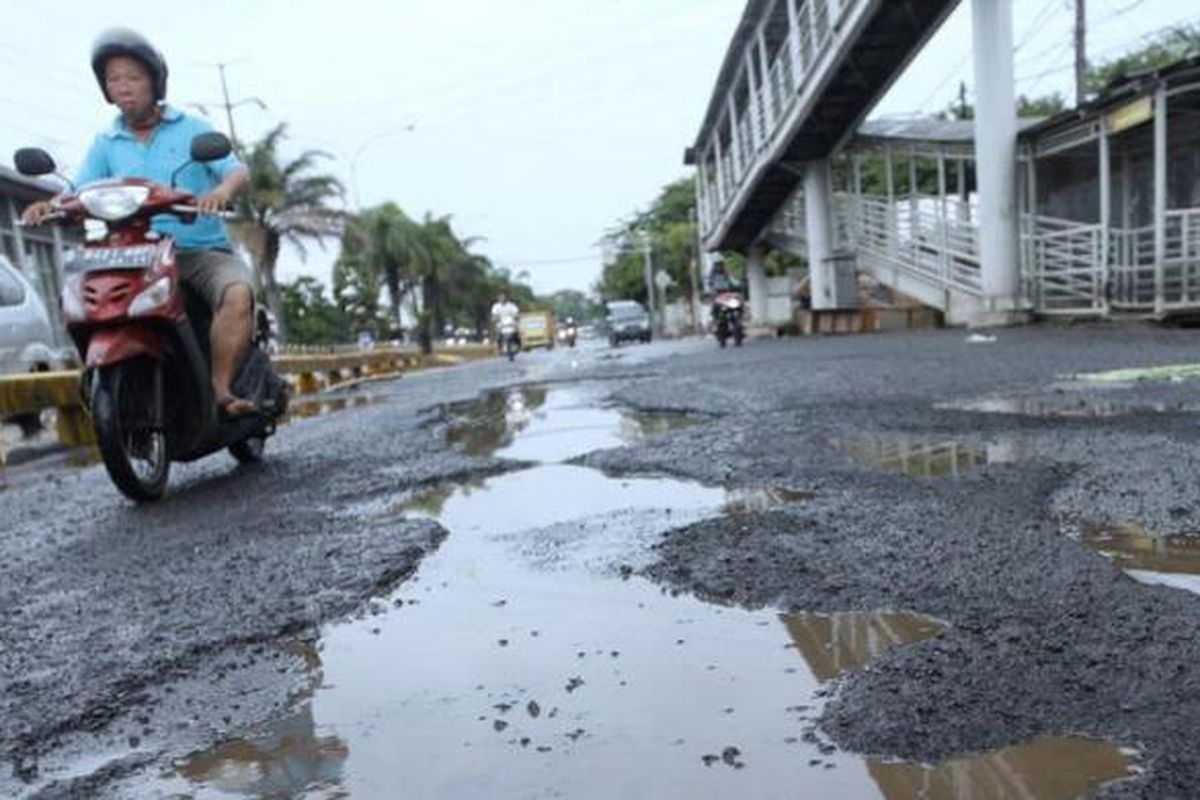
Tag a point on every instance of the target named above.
point(987, 222)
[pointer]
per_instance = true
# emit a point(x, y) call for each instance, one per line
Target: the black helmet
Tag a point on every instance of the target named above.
point(125, 42)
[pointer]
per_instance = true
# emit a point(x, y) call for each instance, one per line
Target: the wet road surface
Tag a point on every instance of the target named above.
point(597, 574)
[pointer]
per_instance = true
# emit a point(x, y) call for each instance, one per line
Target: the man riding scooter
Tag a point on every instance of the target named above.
point(150, 139)
point(504, 324)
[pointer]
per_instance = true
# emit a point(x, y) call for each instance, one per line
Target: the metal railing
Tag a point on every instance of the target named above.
point(769, 102)
point(1063, 269)
point(915, 236)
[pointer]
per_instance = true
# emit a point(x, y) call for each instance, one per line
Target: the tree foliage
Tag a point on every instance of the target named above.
point(1169, 46)
point(286, 201)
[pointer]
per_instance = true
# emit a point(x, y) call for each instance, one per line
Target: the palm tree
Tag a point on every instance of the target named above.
point(388, 245)
point(444, 255)
point(285, 202)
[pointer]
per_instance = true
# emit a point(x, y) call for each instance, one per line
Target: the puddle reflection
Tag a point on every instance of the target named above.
point(289, 761)
point(1046, 769)
point(843, 642)
point(534, 423)
point(1164, 560)
point(927, 456)
point(305, 407)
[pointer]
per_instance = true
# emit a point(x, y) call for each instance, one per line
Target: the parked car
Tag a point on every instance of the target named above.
point(627, 321)
point(536, 329)
point(26, 332)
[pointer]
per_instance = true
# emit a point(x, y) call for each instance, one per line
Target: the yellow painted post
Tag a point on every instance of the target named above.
point(75, 427)
point(307, 383)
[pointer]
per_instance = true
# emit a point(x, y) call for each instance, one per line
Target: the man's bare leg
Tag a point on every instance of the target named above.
point(229, 337)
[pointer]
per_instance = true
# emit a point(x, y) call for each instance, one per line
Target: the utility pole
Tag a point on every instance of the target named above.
point(1080, 50)
point(692, 269)
point(230, 105)
point(648, 265)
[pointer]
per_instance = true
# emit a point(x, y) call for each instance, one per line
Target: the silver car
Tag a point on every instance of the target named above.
point(26, 337)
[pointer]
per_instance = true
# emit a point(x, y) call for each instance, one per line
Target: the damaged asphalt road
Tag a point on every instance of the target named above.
point(130, 636)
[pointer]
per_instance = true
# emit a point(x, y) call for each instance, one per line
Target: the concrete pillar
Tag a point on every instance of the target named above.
point(756, 284)
point(818, 222)
point(996, 158)
point(1160, 199)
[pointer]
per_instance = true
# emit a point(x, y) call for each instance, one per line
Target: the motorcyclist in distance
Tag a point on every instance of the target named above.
point(504, 311)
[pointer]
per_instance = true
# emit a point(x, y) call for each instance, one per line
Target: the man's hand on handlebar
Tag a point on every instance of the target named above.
point(36, 213)
point(214, 202)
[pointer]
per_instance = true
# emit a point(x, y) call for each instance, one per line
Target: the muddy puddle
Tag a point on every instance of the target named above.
point(1161, 560)
point(535, 423)
point(928, 456)
point(528, 659)
point(847, 641)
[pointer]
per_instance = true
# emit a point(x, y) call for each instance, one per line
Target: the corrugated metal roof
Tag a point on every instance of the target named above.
point(930, 129)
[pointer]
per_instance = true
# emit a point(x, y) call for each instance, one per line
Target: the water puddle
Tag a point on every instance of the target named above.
point(1160, 560)
point(526, 659)
point(534, 423)
point(928, 456)
point(847, 641)
point(1047, 769)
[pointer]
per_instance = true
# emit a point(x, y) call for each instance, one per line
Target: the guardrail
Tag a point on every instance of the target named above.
point(310, 373)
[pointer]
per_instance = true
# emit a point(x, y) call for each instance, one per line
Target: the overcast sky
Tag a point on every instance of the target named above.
point(538, 123)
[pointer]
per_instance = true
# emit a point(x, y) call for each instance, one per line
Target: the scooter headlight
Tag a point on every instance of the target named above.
point(113, 202)
point(152, 298)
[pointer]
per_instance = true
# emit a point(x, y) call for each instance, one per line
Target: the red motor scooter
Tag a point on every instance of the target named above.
point(143, 336)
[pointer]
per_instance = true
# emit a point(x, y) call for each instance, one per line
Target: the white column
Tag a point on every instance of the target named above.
point(1160, 197)
point(1105, 178)
point(756, 282)
point(818, 217)
point(996, 152)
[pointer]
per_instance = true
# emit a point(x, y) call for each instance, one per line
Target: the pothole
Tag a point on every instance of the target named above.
point(928, 456)
point(1160, 560)
point(512, 666)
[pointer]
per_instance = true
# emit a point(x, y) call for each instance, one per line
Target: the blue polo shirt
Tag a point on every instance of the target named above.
point(118, 153)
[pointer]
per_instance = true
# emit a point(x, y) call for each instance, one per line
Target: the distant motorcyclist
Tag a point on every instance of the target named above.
point(504, 312)
point(719, 280)
point(150, 139)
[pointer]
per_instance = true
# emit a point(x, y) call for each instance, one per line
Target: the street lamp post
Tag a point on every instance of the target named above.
point(361, 148)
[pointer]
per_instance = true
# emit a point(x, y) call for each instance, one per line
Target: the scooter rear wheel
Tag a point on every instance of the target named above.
point(134, 452)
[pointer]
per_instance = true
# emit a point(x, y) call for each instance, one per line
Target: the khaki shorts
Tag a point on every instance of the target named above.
point(209, 273)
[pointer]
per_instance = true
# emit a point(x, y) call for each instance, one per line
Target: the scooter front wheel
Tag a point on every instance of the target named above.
point(133, 448)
